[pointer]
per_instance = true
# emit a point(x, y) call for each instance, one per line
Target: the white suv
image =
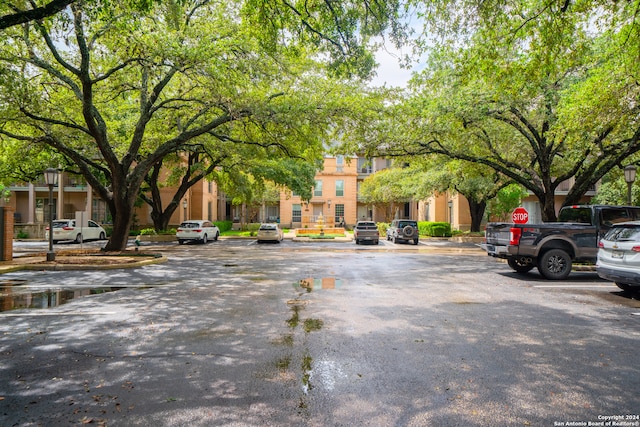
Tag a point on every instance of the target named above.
point(197, 230)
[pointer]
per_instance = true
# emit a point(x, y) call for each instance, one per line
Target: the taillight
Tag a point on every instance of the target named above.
point(67, 228)
point(199, 230)
point(600, 245)
point(514, 236)
point(47, 228)
point(636, 249)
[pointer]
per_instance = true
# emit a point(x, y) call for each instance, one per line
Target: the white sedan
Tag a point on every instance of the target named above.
point(65, 229)
point(619, 256)
point(270, 233)
point(197, 230)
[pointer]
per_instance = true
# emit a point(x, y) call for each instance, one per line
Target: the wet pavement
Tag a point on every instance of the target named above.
point(238, 334)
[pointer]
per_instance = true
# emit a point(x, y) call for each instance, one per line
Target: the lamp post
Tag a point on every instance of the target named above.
point(629, 177)
point(51, 179)
point(184, 207)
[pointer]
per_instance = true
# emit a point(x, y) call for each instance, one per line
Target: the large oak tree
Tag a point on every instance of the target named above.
point(116, 89)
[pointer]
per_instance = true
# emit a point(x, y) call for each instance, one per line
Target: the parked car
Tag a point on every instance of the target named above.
point(65, 229)
point(270, 233)
point(366, 231)
point(197, 231)
point(403, 230)
point(619, 255)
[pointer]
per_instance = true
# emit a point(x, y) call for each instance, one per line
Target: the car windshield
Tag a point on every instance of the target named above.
point(623, 233)
point(189, 225)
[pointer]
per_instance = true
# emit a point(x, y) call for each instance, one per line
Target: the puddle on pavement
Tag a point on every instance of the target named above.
point(14, 297)
point(314, 284)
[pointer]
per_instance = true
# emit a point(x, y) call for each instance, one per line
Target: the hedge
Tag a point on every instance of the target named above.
point(434, 229)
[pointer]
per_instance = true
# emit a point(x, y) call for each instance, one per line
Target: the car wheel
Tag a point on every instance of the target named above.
point(205, 239)
point(625, 287)
point(555, 264)
point(102, 236)
point(376, 242)
point(181, 242)
point(357, 242)
point(215, 238)
point(415, 241)
point(78, 238)
point(519, 267)
point(408, 231)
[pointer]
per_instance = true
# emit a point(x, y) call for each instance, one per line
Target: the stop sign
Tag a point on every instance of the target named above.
point(520, 215)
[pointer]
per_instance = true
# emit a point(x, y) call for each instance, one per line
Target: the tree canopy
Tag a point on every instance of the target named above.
point(541, 92)
point(116, 89)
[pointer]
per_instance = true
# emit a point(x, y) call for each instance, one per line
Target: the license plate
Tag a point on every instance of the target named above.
point(617, 254)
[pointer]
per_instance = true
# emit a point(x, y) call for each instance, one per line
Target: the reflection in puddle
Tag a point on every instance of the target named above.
point(311, 284)
point(12, 298)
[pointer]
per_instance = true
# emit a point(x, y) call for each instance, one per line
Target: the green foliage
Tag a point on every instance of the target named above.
point(507, 199)
point(434, 229)
point(22, 234)
point(148, 232)
point(223, 225)
point(383, 227)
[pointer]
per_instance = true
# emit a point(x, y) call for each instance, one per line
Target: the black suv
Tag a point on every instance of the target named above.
point(403, 230)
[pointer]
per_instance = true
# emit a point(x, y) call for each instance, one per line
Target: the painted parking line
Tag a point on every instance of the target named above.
point(575, 286)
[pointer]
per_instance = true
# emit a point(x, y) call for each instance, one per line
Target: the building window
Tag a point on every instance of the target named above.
point(340, 188)
point(296, 214)
point(209, 209)
point(317, 191)
point(364, 165)
point(339, 163)
point(339, 219)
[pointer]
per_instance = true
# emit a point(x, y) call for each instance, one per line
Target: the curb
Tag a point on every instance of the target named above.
point(62, 267)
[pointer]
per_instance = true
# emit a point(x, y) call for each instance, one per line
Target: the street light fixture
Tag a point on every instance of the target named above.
point(184, 207)
point(629, 177)
point(51, 179)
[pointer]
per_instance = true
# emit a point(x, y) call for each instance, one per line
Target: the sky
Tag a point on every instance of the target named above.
point(389, 70)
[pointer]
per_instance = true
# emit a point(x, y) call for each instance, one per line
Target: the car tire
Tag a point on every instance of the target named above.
point(376, 242)
point(519, 267)
point(78, 238)
point(415, 241)
point(215, 238)
point(555, 264)
point(181, 242)
point(102, 236)
point(205, 239)
point(408, 231)
point(394, 239)
point(357, 242)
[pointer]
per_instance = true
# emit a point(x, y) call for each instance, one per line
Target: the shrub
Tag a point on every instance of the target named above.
point(22, 234)
point(434, 229)
point(382, 228)
point(224, 225)
point(148, 232)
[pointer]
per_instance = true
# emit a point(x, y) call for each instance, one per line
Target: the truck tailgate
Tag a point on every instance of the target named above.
point(497, 237)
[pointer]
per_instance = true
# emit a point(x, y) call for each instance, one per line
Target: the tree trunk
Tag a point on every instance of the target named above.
point(122, 220)
point(547, 207)
point(477, 213)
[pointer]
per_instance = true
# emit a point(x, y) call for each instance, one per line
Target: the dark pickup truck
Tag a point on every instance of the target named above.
point(552, 247)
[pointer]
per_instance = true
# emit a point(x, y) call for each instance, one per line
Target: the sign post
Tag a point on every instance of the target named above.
point(520, 215)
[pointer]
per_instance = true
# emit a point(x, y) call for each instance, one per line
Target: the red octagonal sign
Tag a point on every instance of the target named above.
point(520, 215)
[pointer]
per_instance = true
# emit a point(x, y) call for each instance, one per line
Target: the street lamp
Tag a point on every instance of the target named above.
point(184, 207)
point(629, 177)
point(51, 179)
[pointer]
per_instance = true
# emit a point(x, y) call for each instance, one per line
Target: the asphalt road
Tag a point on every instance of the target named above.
point(238, 334)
